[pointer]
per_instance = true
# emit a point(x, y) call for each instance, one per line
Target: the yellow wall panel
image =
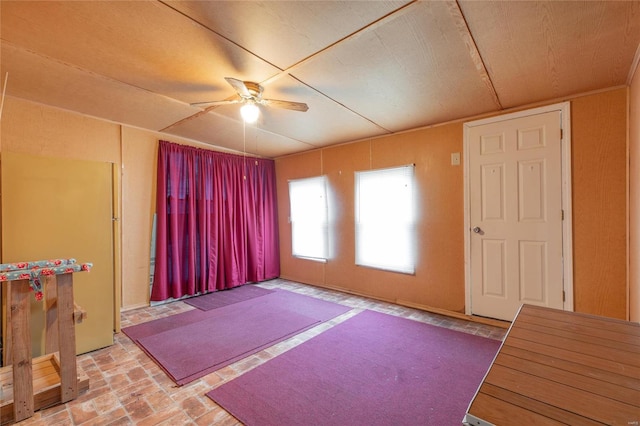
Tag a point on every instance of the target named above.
point(55, 208)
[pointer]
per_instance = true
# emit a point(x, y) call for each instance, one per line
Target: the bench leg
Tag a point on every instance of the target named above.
point(21, 350)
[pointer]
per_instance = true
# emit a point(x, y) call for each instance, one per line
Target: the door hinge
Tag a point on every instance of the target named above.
point(561, 134)
point(562, 214)
point(563, 296)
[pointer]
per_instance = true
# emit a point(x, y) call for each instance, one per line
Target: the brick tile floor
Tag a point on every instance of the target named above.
point(127, 387)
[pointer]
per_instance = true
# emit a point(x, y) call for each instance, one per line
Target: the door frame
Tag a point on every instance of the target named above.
point(567, 224)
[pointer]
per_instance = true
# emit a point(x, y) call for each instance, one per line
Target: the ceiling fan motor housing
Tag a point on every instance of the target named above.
point(254, 89)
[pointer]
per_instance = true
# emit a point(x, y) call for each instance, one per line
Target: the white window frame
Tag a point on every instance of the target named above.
point(385, 219)
point(309, 218)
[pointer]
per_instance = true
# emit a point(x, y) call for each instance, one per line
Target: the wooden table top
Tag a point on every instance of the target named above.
point(557, 367)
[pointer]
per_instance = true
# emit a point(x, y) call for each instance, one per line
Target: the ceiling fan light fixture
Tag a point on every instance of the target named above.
point(249, 112)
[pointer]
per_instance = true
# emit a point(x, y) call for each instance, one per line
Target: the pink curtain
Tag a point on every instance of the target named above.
point(217, 221)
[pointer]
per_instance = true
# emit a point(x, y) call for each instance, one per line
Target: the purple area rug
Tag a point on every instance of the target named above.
point(218, 299)
point(192, 344)
point(372, 369)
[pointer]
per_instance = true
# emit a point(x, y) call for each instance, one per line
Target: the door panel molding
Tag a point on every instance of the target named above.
point(496, 143)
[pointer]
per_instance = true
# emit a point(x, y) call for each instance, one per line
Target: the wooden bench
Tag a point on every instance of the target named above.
point(557, 367)
point(26, 384)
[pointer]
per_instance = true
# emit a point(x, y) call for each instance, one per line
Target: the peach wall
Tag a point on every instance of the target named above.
point(439, 278)
point(304, 165)
point(36, 129)
point(634, 198)
point(599, 168)
point(139, 150)
point(599, 191)
point(599, 143)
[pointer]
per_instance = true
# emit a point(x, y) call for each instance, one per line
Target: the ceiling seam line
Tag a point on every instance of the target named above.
point(474, 52)
point(289, 69)
point(635, 66)
point(280, 70)
point(286, 71)
point(370, 25)
point(260, 129)
point(341, 104)
point(114, 80)
point(94, 74)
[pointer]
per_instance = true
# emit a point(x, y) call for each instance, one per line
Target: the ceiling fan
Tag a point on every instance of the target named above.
point(250, 95)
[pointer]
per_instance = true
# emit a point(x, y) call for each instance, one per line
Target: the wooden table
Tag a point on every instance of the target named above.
point(557, 367)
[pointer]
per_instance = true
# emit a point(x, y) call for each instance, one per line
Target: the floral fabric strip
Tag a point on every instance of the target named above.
point(5, 267)
point(32, 271)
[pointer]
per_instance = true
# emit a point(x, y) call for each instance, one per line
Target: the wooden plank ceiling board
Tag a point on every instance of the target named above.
point(544, 50)
point(364, 68)
point(415, 64)
point(91, 94)
point(266, 144)
point(285, 32)
point(323, 124)
point(142, 43)
point(326, 124)
point(222, 131)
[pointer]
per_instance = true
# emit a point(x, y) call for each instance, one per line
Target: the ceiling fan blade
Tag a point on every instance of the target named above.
point(296, 106)
point(212, 103)
point(239, 86)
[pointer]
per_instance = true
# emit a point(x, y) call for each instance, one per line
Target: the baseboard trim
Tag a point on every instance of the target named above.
point(440, 311)
point(473, 318)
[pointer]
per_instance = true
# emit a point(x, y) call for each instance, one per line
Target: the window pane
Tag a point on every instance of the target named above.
point(309, 228)
point(385, 223)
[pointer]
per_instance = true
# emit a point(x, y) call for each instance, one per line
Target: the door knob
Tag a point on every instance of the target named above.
point(477, 230)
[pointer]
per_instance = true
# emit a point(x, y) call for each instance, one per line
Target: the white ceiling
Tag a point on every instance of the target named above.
point(364, 68)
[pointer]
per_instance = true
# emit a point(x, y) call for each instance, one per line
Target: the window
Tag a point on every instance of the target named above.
point(309, 217)
point(385, 219)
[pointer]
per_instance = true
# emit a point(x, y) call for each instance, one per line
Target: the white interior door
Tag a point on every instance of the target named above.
point(515, 214)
